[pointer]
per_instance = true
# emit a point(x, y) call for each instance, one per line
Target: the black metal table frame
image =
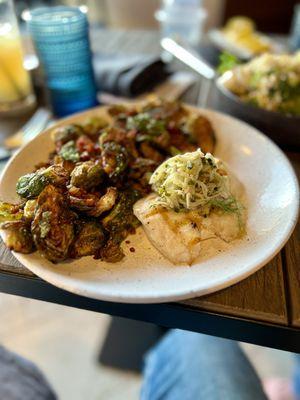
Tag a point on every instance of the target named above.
point(169, 315)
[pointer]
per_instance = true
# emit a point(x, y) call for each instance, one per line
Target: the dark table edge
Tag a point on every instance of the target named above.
point(168, 315)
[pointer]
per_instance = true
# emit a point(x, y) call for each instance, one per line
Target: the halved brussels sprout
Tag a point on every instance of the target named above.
point(112, 251)
point(90, 203)
point(93, 125)
point(64, 134)
point(116, 109)
point(144, 123)
point(87, 175)
point(201, 133)
point(114, 159)
point(89, 239)
point(53, 224)
point(18, 236)
point(140, 166)
point(10, 212)
point(69, 152)
point(29, 186)
point(121, 217)
point(57, 175)
point(29, 209)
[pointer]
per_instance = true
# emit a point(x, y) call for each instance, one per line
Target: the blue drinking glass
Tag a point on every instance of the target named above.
point(61, 39)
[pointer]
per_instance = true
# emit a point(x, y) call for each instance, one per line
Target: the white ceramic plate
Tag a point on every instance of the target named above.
point(144, 276)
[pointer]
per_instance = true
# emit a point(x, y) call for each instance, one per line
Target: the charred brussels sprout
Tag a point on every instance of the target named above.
point(29, 209)
point(66, 133)
point(53, 227)
point(92, 204)
point(57, 175)
point(69, 152)
point(10, 212)
point(112, 251)
point(117, 109)
point(89, 239)
point(121, 217)
point(29, 186)
point(143, 122)
point(93, 125)
point(119, 223)
point(200, 133)
point(18, 236)
point(114, 159)
point(87, 175)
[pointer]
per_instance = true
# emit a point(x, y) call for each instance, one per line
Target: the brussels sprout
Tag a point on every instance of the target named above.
point(57, 175)
point(121, 217)
point(140, 166)
point(144, 123)
point(119, 223)
point(29, 209)
point(64, 134)
point(31, 185)
point(69, 152)
point(93, 125)
point(53, 224)
point(174, 151)
point(87, 175)
point(89, 239)
point(10, 212)
point(113, 134)
point(114, 159)
point(117, 109)
point(67, 165)
point(151, 153)
point(18, 236)
point(168, 111)
point(90, 203)
point(106, 202)
point(200, 133)
point(112, 251)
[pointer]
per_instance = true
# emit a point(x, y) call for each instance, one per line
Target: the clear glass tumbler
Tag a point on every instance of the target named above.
point(295, 29)
point(16, 95)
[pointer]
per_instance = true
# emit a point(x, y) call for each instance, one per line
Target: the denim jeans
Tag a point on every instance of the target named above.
point(296, 377)
point(192, 366)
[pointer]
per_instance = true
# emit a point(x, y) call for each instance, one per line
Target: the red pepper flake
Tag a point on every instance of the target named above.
point(132, 249)
point(127, 241)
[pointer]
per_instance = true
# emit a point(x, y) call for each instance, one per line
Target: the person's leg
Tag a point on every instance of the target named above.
point(296, 377)
point(20, 379)
point(191, 366)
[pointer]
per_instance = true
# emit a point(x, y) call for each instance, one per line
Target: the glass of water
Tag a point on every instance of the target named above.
point(16, 95)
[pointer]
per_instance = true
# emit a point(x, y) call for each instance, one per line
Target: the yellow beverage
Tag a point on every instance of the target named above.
point(15, 82)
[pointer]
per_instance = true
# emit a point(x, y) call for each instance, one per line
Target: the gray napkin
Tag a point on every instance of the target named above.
point(128, 76)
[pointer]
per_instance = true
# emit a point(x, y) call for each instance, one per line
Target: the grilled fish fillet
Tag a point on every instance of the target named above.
point(178, 236)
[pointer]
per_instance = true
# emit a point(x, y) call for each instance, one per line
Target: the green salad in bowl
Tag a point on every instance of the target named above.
point(270, 81)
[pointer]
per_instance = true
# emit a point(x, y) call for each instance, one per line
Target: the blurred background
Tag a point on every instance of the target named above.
point(270, 16)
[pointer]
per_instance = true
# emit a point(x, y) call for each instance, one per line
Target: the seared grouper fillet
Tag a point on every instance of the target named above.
point(178, 235)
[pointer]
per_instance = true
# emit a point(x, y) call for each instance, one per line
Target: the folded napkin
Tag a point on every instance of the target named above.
point(130, 75)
